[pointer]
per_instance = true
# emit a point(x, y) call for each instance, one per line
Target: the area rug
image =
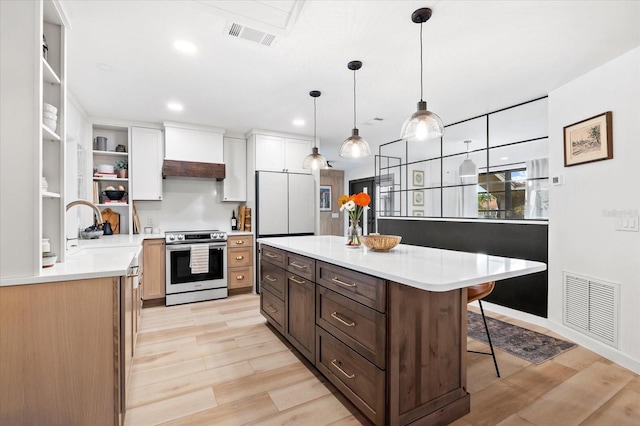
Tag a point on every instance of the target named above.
point(526, 344)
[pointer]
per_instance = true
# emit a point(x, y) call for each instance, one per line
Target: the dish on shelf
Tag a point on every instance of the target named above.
point(51, 124)
point(49, 115)
point(114, 194)
point(49, 259)
point(91, 235)
point(49, 108)
point(106, 168)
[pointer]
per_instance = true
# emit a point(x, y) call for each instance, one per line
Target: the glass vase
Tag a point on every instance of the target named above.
point(353, 234)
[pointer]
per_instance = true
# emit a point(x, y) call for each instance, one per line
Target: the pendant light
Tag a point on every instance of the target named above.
point(315, 160)
point(468, 167)
point(354, 146)
point(423, 124)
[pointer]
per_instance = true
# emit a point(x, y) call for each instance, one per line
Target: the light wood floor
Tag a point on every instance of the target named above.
point(217, 363)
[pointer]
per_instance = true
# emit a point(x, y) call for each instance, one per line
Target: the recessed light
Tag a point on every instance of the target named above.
point(504, 158)
point(298, 122)
point(104, 67)
point(174, 106)
point(185, 46)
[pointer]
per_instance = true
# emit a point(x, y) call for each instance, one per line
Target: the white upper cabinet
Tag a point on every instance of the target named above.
point(187, 142)
point(235, 160)
point(281, 154)
point(146, 157)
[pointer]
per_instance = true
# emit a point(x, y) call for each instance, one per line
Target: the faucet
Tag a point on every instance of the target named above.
point(96, 212)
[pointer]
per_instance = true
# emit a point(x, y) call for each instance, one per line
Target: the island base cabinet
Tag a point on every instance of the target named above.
point(300, 321)
point(427, 369)
point(359, 380)
point(272, 309)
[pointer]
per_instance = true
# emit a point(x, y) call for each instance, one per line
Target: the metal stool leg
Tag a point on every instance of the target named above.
point(486, 327)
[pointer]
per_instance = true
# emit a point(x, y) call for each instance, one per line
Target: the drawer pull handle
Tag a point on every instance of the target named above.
point(336, 280)
point(239, 257)
point(271, 255)
point(270, 309)
point(239, 277)
point(292, 278)
point(298, 266)
point(348, 376)
point(240, 242)
point(348, 324)
point(270, 278)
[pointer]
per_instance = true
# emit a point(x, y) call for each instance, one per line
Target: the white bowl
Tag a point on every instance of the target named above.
point(49, 115)
point(51, 124)
point(106, 168)
point(49, 261)
point(49, 108)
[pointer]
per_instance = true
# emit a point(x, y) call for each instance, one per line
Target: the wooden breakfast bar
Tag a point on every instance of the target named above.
point(388, 329)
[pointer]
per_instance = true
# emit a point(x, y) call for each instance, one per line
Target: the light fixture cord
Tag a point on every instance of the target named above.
point(354, 99)
point(315, 119)
point(421, 65)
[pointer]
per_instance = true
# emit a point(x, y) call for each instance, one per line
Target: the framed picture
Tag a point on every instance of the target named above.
point(417, 213)
point(418, 198)
point(418, 178)
point(325, 198)
point(588, 140)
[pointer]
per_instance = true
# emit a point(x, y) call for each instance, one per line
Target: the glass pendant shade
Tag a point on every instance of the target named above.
point(468, 168)
point(314, 161)
point(355, 146)
point(422, 125)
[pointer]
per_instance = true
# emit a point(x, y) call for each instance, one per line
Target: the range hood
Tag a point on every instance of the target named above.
point(193, 169)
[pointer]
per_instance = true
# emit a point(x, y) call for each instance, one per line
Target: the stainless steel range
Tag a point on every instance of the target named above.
point(196, 266)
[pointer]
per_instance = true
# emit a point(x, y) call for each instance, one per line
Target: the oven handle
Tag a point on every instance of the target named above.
point(187, 247)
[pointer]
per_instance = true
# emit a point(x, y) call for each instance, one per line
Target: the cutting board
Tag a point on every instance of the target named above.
point(113, 218)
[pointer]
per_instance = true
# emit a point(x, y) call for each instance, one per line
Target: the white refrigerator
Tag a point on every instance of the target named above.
point(286, 204)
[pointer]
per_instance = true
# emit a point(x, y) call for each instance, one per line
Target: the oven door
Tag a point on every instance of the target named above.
point(179, 277)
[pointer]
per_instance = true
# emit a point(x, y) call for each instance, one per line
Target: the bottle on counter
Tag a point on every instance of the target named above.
point(234, 221)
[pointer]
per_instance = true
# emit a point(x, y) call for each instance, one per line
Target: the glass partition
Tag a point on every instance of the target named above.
point(507, 149)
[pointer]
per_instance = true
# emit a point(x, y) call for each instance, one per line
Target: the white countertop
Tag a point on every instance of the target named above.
point(420, 267)
point(107, 256)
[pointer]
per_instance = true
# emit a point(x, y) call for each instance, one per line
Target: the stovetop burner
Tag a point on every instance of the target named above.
point(183, 237)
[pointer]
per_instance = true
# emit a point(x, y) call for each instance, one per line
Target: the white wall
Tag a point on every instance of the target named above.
point(582, 238)
point(188, 204)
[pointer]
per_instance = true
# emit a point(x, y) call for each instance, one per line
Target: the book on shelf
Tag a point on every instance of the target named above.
point(108, 201)
point(106, 175)
point(96, 193)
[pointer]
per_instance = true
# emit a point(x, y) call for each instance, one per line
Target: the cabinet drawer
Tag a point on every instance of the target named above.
point(301, 265)
point(368, 290)
point(239, 257)
point(272, 309)
point(363, 329)
point(240, 277)
point(234, 241)
point(272, 278)
point(359, 380)
point(273, 255)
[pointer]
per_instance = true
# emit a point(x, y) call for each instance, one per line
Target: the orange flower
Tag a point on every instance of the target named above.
point(342, 199)
point(362, 199)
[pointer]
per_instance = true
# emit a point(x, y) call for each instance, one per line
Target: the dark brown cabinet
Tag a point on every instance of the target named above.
point(393, 350)
point(300, 322)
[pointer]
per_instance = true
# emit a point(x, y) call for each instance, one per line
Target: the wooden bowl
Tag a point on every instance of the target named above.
point(381, 242)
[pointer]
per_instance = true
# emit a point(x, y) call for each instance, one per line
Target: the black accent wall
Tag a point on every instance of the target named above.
point(528, 293)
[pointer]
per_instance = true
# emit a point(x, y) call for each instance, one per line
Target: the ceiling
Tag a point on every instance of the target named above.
point(479, 56)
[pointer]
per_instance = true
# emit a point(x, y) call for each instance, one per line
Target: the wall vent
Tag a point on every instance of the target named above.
point(251, 34)
point(591, 307)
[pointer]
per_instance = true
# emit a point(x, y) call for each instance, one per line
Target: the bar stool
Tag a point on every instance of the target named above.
point(478, 292)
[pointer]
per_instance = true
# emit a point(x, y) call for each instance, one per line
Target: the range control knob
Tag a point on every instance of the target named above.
point(172, 237)
point(180, 237)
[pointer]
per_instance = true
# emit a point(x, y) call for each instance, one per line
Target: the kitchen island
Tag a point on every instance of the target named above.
point(387, 329)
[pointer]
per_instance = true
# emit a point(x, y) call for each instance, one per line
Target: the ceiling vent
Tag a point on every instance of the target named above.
point(251, 34)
